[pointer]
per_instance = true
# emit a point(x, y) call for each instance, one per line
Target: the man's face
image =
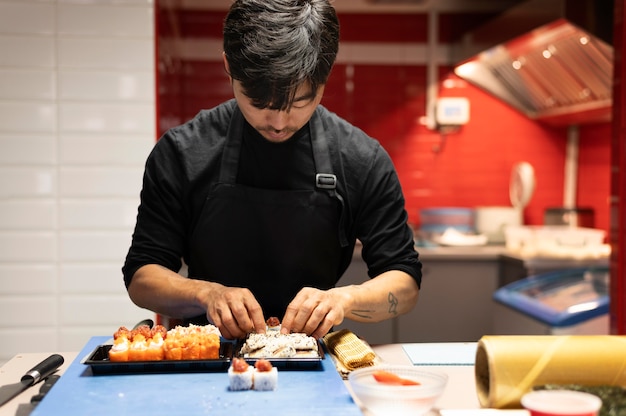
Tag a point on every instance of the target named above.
point(274, 125)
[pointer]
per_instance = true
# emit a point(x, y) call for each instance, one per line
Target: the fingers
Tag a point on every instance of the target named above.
point(295, 315)
point(227, 324)
point(322, 329)
point(236, 313)
point(313, 312)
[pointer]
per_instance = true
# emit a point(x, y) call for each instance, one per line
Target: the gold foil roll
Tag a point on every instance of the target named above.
point(508, 366)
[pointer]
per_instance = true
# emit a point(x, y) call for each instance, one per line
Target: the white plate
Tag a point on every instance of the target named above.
point(454, 238)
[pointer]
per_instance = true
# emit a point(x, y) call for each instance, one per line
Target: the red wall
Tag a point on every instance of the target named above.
point(467, 168)
point(618, 178)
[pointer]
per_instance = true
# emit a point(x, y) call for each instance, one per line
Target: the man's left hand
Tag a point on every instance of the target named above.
point(314, 312)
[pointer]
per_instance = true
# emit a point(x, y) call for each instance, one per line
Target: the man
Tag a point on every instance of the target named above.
point(263, 197)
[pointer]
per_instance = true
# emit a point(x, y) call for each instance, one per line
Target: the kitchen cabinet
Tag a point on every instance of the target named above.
point(456, 299)
point(455, 303)
point(373, 333)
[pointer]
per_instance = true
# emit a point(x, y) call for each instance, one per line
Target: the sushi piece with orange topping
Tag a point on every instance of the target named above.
point(138, 348)
point(119, 352)
point(240, 375)
point(265, 376)
point(154, 344)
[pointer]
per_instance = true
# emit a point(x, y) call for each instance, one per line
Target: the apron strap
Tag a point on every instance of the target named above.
point(324, 178)
point(230, 157)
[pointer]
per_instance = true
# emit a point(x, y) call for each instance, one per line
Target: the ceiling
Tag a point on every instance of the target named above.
point(375, 6)
point(557, 68)
point(468, 6)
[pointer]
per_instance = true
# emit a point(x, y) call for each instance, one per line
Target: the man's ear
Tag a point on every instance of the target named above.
point(227, 67)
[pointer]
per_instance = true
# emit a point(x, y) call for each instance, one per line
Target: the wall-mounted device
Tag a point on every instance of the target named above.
point(452, 111)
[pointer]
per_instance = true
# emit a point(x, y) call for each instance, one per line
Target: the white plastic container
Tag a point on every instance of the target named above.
point(556, 241)
point(491, 221)
point(561, 403)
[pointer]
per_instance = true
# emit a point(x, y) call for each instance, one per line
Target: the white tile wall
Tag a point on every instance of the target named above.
point(77, 120)
point(25, 149)
point(33, 84)
point(26, 52)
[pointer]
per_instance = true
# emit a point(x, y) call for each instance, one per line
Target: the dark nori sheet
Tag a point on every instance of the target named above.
point(613, 397)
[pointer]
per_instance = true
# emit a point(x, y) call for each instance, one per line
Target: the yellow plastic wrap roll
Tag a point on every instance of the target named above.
point(508, 366)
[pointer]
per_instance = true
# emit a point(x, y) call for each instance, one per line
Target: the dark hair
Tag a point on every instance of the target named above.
point(274, 46)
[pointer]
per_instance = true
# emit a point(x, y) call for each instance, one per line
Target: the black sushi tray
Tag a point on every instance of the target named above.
point(99, 362)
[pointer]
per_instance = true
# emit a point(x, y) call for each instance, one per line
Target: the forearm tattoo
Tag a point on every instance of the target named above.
point(365, 314)
point(393, 303)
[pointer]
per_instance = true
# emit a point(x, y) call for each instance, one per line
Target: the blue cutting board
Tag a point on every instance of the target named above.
point(80, 392)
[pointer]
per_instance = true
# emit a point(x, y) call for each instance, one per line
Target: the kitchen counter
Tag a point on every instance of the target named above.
point(459, 394)
point(457, 287)
point(14, 369)
point(488, 252)
point(500, 252)
point(493, 252)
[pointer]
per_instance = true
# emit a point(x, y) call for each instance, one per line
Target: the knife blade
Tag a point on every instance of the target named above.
point(148, 322)
point(31, 377)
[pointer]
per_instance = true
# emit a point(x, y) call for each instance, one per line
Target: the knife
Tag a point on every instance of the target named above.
point(148, 322)
point(32, 377)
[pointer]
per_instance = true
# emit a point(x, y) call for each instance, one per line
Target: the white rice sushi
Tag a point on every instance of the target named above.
point(240, 375)
point(265, 380)
point(265, 376)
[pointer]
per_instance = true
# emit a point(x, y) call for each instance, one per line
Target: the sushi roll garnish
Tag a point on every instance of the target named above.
point(273, 324)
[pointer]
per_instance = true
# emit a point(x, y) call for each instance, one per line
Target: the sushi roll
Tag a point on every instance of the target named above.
point(265, 376)
point(240, 375)
point(155, 351)
point(154, 344)
point(119, 350)
point(138, 348)
point(209, 347)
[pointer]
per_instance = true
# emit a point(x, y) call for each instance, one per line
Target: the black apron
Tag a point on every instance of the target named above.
point(273, 242)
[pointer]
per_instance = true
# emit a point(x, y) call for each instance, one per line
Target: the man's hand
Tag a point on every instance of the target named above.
point(235, 311)
point(314, 312)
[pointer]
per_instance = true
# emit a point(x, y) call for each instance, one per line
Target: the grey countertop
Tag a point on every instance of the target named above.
point(487, 252)
point(495, 253)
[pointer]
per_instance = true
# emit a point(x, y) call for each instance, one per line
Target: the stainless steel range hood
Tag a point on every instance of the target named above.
point(557, 73)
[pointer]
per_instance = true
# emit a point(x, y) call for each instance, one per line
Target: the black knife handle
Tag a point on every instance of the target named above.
point(42, 370)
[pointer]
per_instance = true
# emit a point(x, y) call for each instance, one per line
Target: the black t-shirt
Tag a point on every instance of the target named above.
point(286, 165)
point(185, 163)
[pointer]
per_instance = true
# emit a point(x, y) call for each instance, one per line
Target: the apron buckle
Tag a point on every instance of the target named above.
point(326, 181)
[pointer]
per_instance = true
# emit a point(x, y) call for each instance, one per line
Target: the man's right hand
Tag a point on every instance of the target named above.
point(235, 311)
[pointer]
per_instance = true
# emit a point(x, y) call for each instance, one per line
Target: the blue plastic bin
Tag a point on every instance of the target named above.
point(559, 299)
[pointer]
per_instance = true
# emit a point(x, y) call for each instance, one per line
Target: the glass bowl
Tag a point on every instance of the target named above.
point(393, 399)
